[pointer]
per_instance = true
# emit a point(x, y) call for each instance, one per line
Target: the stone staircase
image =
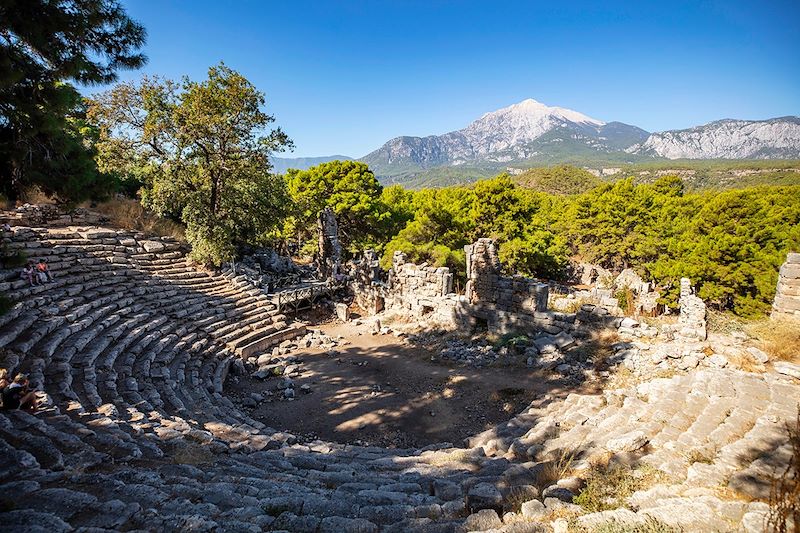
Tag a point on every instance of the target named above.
point(131, 346)
point(713, 432)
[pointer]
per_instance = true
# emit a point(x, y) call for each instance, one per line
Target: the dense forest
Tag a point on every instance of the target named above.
point(197, 153)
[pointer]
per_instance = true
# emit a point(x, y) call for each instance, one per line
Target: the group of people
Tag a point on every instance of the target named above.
point(16, 393)
point(36, 273)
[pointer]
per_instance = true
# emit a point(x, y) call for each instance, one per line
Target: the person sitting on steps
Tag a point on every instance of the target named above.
point(43, 271)
point(18, 395)
point(29, 273)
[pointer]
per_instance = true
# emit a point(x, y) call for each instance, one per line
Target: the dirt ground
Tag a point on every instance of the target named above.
point(379, 390)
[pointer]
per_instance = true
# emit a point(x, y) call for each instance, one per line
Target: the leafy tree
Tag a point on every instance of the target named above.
point(43, 44)
point(202, 151)
point(395, 210)
point(349, 188)
point(733, 246)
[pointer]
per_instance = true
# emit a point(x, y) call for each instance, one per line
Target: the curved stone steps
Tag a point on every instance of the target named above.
point(135, 361)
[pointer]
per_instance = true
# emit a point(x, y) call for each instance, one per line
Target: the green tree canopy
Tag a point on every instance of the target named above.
point(349, 188)
point(202, 152)
point(44, 44)
point(559, 180)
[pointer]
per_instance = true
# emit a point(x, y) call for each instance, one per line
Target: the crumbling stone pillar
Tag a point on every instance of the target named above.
point(483, 270)
point(329, 257)
point(692, 320)
point(787, 295)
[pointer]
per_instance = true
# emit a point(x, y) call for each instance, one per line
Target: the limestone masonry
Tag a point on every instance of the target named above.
point(787, 296)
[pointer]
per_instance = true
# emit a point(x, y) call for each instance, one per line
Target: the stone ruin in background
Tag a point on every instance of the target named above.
point(599, 286)
point(504, 303)
point(329, 254)
point(787, 295)
point(268, 270)
point(36, 215)
point(492, 301)
point(692, 319)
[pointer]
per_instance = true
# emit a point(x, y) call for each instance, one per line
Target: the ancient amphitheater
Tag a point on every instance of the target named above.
point(131, 345)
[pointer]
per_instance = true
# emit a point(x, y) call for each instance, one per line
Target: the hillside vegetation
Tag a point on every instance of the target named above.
point(697, 174)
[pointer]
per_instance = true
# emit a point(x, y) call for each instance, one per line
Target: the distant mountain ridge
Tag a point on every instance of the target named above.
point(777, 138)
point(281, 164)
point(531, 133)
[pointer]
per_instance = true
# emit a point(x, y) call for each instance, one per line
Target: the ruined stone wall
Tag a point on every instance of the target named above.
point(643, 299)
point(413, 290)
point(504, 302)
point(692, 320)
point(787, 295)
point(49, 215)
point(421, 281)
point(498, 303)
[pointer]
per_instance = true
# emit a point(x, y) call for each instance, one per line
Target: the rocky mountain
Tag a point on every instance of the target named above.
point(281, 164)
point(530, 134)
point(777, 138)
point(525, 132)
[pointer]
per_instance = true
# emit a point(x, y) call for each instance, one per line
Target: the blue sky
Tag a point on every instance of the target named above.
point(344, 77)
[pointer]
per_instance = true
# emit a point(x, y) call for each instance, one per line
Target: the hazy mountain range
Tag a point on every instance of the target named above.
point(531, 133)
point(282, 164)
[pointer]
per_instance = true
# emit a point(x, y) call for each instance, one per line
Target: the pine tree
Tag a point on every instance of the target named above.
point(44, 45)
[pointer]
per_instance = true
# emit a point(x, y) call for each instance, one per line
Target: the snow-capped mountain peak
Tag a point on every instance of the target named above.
point(535, 111)
point(521, 123)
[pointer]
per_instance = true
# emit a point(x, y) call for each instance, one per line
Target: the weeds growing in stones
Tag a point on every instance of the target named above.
point(609, 487)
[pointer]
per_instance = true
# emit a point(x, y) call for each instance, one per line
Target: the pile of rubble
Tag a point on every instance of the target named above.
point(280, 368)
point(468, 354)
point(268, 270)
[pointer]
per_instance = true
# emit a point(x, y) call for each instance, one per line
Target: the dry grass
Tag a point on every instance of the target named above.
point(724, 323)
point(450, 458)
point(723, 492)
point(779, 338)
point(700, 455)
point(650, 525)
point(784, 501)
point(191, 454)
point(34, 195)
point(623, 378)
point(129, 214)
point(598, 348)
point(745, 362)
point(517, 495)
point(610, 487)
point(559, 468)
